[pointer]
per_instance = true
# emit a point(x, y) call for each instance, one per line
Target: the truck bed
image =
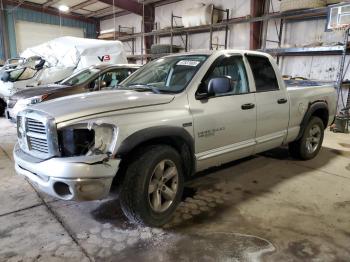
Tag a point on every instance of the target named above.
point(308, 83)
point(304, 92)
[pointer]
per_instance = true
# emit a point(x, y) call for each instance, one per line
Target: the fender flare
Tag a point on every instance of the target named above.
point(162, 132)
point(147, 134)
point(310, 111)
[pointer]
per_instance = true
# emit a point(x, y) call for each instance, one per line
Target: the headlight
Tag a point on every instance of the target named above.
point(87, 139)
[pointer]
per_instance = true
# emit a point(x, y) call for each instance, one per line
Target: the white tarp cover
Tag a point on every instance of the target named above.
point(78, 52)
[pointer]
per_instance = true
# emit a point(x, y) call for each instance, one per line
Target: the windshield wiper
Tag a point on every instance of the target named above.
point(143, 87)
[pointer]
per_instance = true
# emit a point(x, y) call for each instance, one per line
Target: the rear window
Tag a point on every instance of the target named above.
point(264, 74)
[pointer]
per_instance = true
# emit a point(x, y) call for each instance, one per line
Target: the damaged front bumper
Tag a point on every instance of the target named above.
point(72, 178)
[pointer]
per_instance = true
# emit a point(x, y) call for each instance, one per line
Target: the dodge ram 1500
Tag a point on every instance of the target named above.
point(176, 116)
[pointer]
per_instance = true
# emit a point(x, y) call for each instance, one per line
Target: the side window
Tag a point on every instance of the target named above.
point(233, 68)
point(101, 82)
point(111, 79)
point(264, 74)
point(118, 76)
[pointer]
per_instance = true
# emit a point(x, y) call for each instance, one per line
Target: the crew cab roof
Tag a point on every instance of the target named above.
point(220, 52)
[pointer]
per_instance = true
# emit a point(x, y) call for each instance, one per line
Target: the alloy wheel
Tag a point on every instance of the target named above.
point(313, 139)
point(163, 186)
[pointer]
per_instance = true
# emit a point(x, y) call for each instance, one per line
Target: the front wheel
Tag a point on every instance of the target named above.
point(309, 145)
point(152, 186)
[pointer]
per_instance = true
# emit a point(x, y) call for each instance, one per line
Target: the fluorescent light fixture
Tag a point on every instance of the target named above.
point(63, 8)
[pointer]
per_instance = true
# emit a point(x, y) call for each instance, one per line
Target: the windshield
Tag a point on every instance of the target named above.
point(80, 77)
point(18, 74)
point(170, 74)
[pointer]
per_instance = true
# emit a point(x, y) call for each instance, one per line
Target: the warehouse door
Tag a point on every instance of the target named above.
point(29, 34)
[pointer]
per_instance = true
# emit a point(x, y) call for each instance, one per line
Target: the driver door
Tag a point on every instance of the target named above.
point(224, 125)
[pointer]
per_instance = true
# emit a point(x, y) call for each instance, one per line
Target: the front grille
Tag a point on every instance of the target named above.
point(35, 126)
point(39, 145)
point(37, 137)
point(37, 134)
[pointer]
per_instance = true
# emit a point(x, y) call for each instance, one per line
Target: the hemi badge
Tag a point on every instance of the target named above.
point(187, 124)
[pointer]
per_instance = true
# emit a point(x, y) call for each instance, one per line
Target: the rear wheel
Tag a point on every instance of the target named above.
point(309, 145)
point(152, 186)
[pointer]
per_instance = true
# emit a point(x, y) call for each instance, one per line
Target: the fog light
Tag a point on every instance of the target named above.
point(62, 189)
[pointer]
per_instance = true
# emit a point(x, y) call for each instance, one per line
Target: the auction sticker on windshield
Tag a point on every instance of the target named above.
point(188, 63)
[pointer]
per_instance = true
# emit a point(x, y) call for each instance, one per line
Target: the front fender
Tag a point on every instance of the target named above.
point(151, 133)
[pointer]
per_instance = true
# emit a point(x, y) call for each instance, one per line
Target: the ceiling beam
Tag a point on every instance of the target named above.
point(164, 2)
point(117, 14)
point(103, 11)
point(50, 2)
point(83, 4)
point(128, 5)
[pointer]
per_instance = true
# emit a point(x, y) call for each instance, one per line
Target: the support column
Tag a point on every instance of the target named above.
point(3, 37)
point(149, 19)
point(257, 10)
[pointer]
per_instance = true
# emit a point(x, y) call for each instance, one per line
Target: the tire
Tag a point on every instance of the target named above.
point(308, 146)
point(140, 206)
point(288, 5)
point(2, 107)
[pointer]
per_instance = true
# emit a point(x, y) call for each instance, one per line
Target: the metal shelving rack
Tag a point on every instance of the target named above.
point(318, 13)
point(298, 15)
point(132, 39)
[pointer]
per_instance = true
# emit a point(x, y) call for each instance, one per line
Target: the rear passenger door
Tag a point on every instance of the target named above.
point(272, 104)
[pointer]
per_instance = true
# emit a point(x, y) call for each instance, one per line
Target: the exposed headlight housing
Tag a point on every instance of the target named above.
point(87, 139)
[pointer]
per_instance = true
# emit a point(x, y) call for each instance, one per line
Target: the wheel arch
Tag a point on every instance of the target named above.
point(319, 109)
point(176, 137)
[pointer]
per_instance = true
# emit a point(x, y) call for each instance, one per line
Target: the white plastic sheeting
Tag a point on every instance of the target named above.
point(199, 14)
point(64, 56)
point(78, 52)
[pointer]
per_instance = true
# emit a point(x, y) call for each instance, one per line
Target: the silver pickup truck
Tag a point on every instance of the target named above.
point(174, 117)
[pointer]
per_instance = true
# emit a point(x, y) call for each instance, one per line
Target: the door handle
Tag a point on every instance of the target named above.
point(282, 101)
point(248, 106)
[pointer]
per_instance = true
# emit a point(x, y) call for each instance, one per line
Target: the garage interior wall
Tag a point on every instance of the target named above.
point(29, 34)
point(297, 33)
point(12, 15)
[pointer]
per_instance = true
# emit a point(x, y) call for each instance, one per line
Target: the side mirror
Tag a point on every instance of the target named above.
point(219, 85)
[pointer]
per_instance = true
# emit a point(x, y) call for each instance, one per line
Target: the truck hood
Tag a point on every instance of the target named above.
point(37, 91)
point(82, 105)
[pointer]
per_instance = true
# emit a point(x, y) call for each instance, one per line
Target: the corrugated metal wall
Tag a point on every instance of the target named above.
point(12, 14)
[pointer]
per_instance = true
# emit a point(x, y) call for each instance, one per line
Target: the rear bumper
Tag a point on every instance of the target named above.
point(67, 178)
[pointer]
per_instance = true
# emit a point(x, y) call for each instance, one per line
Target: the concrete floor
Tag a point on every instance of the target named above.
point(265, 208)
